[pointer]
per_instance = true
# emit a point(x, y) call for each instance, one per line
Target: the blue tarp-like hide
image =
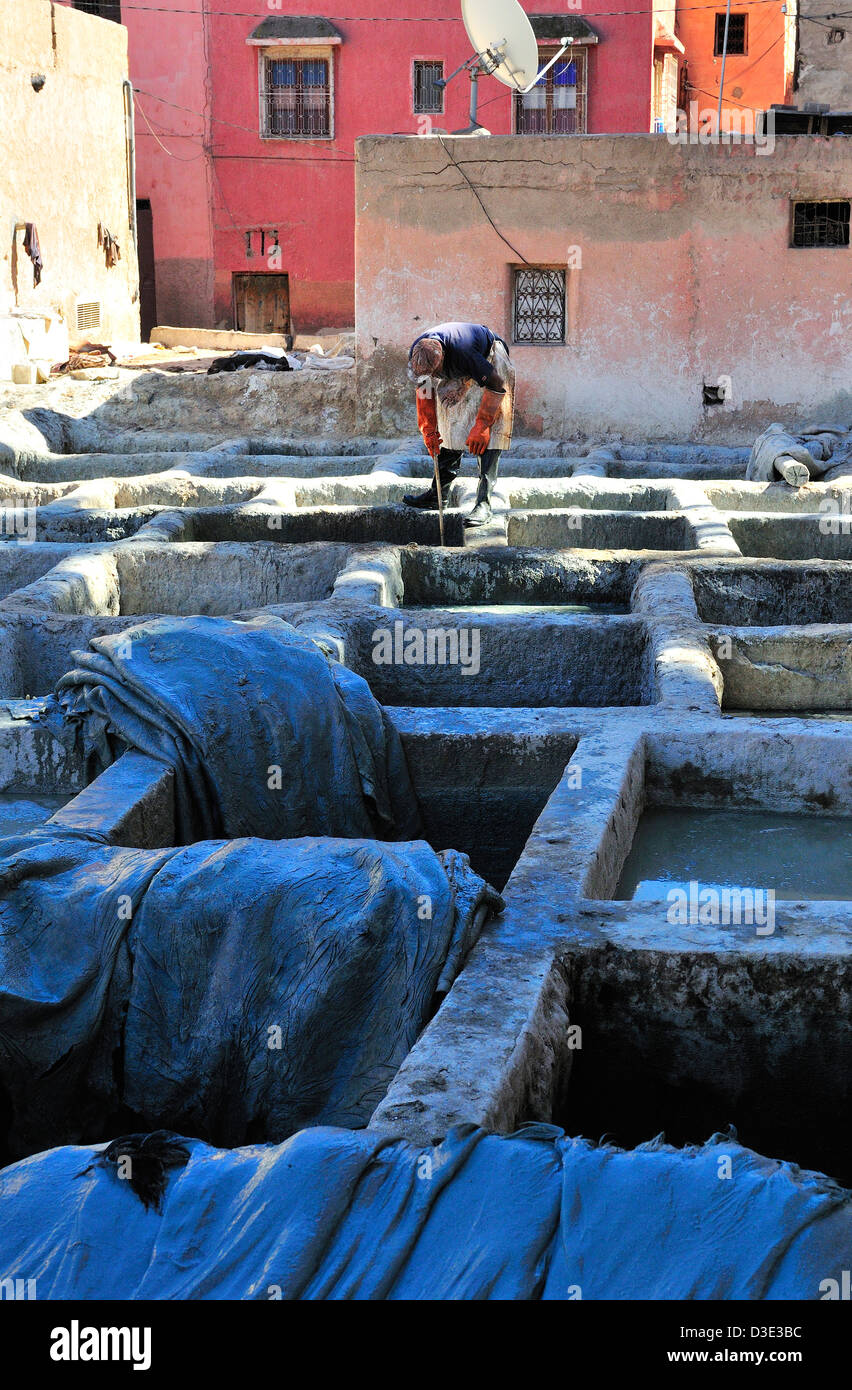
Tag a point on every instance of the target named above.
point(237, 990)
point(265, 734)
point(333, 1215)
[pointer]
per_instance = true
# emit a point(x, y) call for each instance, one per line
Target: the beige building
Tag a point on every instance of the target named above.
point(67, 169)
point(824, 58)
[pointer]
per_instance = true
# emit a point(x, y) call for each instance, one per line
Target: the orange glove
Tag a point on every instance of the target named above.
point(489, 408)
point(427, 422)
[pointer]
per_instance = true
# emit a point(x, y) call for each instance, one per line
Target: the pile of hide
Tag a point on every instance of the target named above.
point(825, 452)
point(269, 360)
point(265, 734)
point(337, 1215)
point(237, 990)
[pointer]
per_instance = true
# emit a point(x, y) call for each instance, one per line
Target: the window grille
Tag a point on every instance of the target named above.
point(296, 98)
point(107, 9)
point(539, 305)
point(428, 98)
point(820, 224)
point(736, 34)
point(557, 103)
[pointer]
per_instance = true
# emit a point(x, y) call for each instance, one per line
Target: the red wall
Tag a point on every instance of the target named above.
point(205, 194)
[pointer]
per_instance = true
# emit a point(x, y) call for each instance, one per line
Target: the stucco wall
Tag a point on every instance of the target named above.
point(754, 79)
point(824, 69)
point(211, 177)
point(685, 275)
point(169, 61)
point(64, 165)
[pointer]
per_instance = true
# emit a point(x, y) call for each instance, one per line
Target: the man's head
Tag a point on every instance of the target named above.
point(427, 358)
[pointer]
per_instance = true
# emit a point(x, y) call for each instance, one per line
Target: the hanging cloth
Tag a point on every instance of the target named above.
point(33, 250)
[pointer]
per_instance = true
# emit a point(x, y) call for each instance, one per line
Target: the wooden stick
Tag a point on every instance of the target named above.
point(440, 499)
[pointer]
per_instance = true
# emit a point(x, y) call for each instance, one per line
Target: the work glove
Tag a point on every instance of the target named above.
point(489, 408)
point(427, 422)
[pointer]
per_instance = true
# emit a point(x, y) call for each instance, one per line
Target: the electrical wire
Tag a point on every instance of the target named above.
point(182, 159)
point(249, 130)
point(452, 19)
point(474, 190)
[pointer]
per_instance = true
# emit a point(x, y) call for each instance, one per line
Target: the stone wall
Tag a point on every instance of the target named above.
point(65, 168)
point(824, 59)
point(680, 273)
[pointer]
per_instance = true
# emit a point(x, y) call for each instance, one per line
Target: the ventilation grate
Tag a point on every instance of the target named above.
point(88, 315)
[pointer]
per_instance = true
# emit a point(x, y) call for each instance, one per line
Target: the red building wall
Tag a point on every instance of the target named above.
point(220, 179)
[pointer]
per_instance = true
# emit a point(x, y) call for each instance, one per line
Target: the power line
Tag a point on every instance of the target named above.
point(475, 191)
point(451, 19)
point(249, 130)
point(182, 159)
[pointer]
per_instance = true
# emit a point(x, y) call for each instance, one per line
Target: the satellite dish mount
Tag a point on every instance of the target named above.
point(504, 46)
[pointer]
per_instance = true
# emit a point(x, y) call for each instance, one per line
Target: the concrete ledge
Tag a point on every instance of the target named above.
point(131, 803)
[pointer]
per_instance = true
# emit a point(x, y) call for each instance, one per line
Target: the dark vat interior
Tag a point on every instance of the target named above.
point(482, 794)
point(774, 595)
point(629, 1090)
point(502, 575)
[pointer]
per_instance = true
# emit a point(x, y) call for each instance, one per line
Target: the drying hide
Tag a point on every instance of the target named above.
point(233, 990)
point(826, 452)
point(335, 1215)
point(266, 735)
point(258, 361)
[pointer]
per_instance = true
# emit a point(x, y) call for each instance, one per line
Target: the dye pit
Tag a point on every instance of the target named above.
point(602, 684)
point(24, 811)
point(795, 857)
point(520, 610)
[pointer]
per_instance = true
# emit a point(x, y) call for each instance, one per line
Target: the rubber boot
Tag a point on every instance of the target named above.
point(448, 467)
point(488, 464)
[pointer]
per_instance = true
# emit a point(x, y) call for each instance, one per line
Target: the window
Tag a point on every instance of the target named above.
point(428, 97)
point(736, 34)
point(538, 309)
point(107, 9)
point(820, 224)
point(296, 98)
point(557, 103)
point(664, 113)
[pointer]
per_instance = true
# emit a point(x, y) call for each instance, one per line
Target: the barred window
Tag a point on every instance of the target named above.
point(820, 224)
point(296, 98)
point(428, 98)
point(538, 305)
point(736, 34)
point(107, 9)
point(557, 103)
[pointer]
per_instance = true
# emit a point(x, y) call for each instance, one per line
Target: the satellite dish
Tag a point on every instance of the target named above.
point(500, 33)
point(504, 47)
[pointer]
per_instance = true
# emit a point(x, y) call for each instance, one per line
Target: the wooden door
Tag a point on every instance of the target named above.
point(261, 303)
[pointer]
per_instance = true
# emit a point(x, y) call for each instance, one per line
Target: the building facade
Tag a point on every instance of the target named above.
point(824, 59)
point(645, 287)
point(246, 130)
point(66, 186)
point(759, 60)
point(246, 125)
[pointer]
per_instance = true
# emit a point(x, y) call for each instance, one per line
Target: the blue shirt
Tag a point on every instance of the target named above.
point(466, 348)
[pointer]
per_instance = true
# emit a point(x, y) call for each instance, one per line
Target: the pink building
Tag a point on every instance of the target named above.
point(246, 128)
